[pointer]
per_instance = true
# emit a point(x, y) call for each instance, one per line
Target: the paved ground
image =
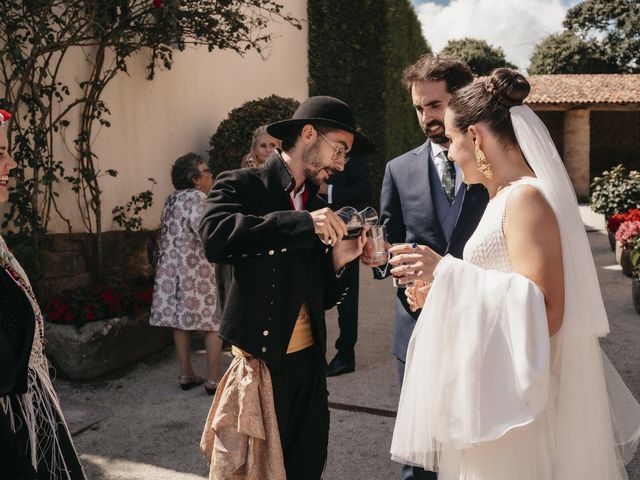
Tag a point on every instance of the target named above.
point(137, 424)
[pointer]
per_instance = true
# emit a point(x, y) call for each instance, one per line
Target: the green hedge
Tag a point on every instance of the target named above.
point(357, 52)
point(233, 137)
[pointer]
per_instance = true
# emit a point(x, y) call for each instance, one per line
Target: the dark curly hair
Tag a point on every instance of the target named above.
point(456, 74)
point(488, 100)
point(185, 170)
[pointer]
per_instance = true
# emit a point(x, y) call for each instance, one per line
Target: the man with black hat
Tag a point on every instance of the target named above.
point(289, 260)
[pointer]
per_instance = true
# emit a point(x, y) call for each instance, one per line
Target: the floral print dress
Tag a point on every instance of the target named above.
point(184, 296)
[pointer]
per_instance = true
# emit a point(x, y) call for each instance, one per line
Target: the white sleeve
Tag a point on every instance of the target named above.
point(482, 343)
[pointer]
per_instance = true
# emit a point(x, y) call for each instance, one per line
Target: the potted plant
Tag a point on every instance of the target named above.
point(91, 331)
point(617, 219)
point(635, 282)
point(615, 191)
point(626, 238)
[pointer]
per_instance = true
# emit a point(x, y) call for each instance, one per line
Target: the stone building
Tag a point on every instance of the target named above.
point(594, 121)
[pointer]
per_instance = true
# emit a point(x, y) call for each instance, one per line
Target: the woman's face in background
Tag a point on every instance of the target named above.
point(264, 147)
point(205, 181)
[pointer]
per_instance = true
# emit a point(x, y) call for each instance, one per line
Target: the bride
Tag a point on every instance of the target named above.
point(505, 377)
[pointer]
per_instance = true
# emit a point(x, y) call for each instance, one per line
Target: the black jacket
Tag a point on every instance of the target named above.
point(351, 187)
point(278, 261)
point(17, 325)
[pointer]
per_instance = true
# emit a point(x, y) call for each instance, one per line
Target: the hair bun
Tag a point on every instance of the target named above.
point(509, 86)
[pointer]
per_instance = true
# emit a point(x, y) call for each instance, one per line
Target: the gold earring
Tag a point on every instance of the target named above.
point(483, 166)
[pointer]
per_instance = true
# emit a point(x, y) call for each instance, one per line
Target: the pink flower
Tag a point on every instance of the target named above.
point(627, 233)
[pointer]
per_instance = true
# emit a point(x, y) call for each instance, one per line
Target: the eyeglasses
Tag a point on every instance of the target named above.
point(340, 151)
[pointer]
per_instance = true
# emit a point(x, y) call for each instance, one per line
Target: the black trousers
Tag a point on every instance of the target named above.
point(348, 315)
point(301, 402)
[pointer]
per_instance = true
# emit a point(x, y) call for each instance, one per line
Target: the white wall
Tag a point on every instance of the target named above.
point(154, 122)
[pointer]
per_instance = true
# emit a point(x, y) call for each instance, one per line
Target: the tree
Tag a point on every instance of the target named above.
point(481, 57)
point(36, 39)
point(234, 134)
point(567, 53)
point(601, 36)
point(383, 38)
point(614, 25)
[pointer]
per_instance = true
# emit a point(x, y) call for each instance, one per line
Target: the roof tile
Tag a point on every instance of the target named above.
point(584, 88)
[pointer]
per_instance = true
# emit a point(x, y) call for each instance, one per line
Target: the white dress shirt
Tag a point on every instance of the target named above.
point(440, 162)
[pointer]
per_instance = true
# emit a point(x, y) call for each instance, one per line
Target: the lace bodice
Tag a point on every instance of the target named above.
point(487, 247)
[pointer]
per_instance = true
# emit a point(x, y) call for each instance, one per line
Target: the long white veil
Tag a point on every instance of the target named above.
point(595, 409)
point(461, 389)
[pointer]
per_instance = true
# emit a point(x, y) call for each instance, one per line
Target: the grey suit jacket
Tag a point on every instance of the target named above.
point(407, 211)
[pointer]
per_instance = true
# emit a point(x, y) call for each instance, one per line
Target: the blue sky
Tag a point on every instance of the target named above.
point(514, 25)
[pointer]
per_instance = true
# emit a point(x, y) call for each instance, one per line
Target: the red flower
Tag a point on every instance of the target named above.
point(107, 295)
point(68, 317)
point(56, 309)
point(144, 295)
point(615, 220)
point(89, 313)
point(112, 300)
point(158, 3)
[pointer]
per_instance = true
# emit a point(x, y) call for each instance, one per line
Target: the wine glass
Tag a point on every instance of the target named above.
point(377, 235)
point(356, 220)
point(395, 279)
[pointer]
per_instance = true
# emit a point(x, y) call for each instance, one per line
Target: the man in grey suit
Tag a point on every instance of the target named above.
point(423, 198)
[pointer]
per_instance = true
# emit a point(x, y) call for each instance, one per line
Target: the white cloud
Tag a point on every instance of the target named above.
point(514, 25)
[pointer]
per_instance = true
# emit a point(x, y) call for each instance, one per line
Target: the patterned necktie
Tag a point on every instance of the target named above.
point(449, 178)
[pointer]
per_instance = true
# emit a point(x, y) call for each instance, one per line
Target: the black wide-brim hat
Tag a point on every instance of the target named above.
point(327, 111)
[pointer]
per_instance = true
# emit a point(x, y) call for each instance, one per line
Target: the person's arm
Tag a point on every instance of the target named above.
point(337, 278)
point(535, 252)
point(535, 249)
point(227, 232)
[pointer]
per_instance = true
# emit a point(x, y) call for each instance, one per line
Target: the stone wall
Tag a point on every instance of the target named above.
point(69, 261)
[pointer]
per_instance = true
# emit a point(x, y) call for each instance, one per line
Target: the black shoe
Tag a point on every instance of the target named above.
point(210, 386)
point(340, 366)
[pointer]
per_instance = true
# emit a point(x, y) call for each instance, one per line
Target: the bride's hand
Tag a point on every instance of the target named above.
point(413, 262)
point(417, 294)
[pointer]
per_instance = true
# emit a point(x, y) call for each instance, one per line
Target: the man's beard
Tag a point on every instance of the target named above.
point(439, 138)
point(313, 165)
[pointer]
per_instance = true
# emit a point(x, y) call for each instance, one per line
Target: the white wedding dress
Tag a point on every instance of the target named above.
point(524, 452)
point(487, 395)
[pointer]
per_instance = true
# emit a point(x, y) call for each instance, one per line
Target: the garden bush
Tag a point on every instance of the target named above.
point(233, 137)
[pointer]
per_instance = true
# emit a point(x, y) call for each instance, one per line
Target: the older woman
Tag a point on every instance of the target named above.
point(262, 146)
point(184, 297)
point(34, 439)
